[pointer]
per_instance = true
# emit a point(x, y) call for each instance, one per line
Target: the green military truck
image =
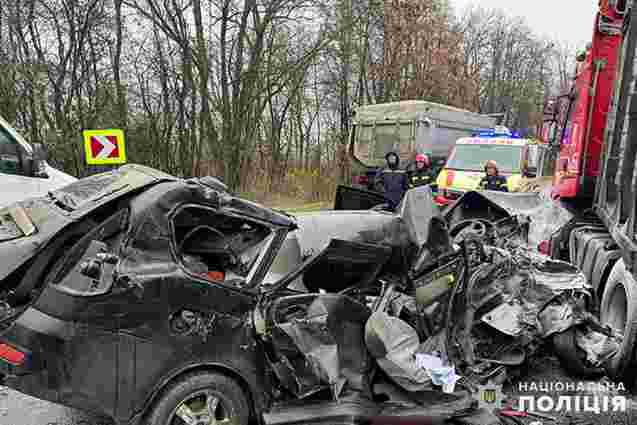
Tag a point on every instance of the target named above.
point(407, 128)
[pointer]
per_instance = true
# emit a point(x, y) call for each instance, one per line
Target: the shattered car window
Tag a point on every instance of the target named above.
point(219, 247)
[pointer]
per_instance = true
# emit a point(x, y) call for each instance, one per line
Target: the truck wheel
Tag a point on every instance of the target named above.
point(619, 310)
point(201, 398)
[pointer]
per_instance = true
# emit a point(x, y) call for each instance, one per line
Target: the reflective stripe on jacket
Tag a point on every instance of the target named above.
point(421, 178)
point(496, 182)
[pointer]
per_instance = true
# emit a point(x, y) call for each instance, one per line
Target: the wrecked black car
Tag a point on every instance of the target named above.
point(151, 299)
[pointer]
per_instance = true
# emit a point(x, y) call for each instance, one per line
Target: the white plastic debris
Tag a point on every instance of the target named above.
point(444, 376)
point(428, 361)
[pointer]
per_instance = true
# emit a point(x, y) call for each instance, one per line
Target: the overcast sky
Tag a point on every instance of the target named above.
point(566, 20)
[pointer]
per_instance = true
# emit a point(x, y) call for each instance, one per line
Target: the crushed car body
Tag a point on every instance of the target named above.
point(153, 299)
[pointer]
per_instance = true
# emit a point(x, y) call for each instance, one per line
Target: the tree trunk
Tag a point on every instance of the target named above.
point(121, 92)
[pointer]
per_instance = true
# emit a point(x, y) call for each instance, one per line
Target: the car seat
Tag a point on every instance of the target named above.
point(394, 344)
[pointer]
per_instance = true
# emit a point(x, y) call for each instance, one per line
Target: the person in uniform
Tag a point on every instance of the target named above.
point(493, 180)
point(392, 180)
point(422, 175)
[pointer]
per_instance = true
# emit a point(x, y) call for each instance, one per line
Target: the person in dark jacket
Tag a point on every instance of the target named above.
point(493, 180)
point(392, 180)
point(422, 175)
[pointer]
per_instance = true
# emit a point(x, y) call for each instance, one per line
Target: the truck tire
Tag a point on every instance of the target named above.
point(619, 310)
point(210, 397)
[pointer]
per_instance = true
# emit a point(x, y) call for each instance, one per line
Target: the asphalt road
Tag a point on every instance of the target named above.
point(18, 409)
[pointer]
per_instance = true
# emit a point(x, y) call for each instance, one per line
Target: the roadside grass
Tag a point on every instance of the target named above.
point(286, 203)
point(307, 208)
point(297, 191)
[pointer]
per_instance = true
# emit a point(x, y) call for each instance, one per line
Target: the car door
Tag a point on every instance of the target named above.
point(195, 306)
point(84, 293)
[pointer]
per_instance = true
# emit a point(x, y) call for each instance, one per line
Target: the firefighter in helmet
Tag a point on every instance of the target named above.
point(493, 180)
point(422, 174)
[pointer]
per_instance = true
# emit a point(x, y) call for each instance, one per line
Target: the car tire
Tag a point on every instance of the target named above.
point(191, 391)
point(571, 357)
point(619, 310)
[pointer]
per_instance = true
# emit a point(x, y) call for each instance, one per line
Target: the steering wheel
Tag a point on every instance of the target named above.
point(292, 312)
point(474, 227)
point(234, 258)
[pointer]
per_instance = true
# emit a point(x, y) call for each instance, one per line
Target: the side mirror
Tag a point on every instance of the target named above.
point(40, 155)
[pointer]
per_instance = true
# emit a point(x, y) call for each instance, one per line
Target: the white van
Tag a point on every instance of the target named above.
point(24, 172)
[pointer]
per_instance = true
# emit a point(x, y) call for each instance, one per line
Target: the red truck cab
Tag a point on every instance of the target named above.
point(585, 109)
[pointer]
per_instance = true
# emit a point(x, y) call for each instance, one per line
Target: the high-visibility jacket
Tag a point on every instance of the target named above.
point(420, 178)
point(496, 182)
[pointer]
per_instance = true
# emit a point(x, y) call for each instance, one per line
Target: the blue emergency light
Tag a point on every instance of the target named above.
point(495, 134)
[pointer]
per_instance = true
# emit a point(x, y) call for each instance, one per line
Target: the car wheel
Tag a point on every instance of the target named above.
point(201, 398)
point(619, 310)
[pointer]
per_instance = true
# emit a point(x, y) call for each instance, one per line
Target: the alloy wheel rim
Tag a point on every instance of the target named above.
point(201, 408)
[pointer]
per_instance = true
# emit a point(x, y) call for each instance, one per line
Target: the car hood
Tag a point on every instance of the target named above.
point(416, 230)
point(414, 235)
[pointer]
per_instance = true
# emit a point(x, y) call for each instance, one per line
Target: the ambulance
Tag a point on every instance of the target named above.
point(516, 158)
